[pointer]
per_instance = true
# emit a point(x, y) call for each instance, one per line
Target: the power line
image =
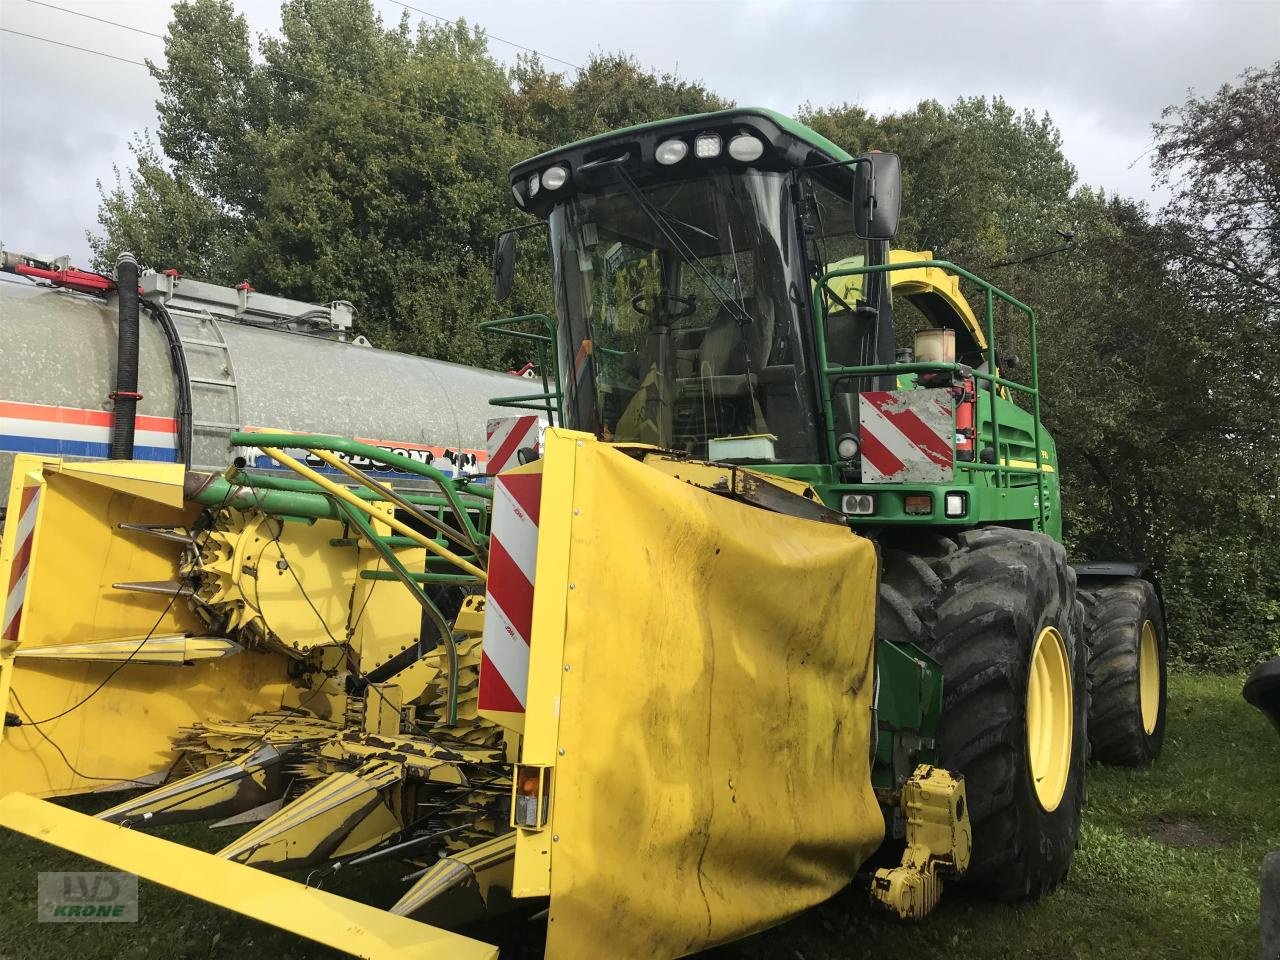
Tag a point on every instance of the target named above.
point(89, 16)
point(72, 46)
point(491, 36)
point(280, 70)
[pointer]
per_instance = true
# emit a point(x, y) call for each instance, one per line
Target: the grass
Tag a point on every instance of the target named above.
point(1167, 868)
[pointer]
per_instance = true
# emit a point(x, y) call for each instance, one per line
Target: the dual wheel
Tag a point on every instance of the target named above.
point(1002, 612)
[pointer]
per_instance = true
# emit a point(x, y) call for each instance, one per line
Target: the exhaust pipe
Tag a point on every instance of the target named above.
point(126, 395)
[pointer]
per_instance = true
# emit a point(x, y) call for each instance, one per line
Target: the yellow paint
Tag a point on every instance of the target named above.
point(560, 449)
point(1149, 677)
point(125, 730)
point(715, 773)
point(1030, 465)
point(334, 921)
point(916, 282)
point(145, 479)
point(1049, 718)
point(719, 476)
point(939, 841)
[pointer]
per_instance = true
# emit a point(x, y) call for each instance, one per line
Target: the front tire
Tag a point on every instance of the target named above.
point(1127, 670)
point(998, 610)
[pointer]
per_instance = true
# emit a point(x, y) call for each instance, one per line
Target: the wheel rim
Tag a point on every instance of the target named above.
point(1149, 677)
point(1049, 718)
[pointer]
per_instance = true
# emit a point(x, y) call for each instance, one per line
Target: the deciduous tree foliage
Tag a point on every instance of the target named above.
point(348, 158)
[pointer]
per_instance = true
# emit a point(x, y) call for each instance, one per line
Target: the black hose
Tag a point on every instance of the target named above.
point(181, 378)
point(126, 394)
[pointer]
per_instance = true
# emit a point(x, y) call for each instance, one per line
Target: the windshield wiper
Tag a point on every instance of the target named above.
point(659, 220)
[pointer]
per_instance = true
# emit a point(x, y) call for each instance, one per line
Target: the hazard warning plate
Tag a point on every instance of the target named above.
point(905, 436)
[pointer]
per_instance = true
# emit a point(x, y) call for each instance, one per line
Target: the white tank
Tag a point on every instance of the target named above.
point(57, 369)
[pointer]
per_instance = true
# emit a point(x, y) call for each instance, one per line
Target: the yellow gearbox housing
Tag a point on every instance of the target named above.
point(939, 840)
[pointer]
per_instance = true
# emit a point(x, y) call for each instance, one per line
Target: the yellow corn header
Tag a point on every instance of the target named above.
point(638, 688)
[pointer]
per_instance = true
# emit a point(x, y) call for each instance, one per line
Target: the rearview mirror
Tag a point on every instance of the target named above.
point(877, 195)
point(504, 265)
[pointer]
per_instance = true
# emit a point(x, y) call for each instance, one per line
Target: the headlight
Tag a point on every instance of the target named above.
point(515, 191)
point(746, 148)
point(858, 504)
point(534, 184)
point(955, 504)
point(670, 151)
point(847, 447)
point(555, 178)
point(706, 146)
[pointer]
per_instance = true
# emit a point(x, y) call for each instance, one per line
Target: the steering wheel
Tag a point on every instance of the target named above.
point(640, 303)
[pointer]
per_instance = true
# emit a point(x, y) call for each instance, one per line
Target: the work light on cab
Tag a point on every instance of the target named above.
point(746, 148)
point(555, 177)
point(670, 152)
point(706, 146)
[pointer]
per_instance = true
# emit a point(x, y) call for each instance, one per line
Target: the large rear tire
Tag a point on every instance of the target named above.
point(1127, 671)
point(997, 608)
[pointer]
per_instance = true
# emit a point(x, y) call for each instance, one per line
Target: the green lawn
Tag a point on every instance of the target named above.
point(1167, 868)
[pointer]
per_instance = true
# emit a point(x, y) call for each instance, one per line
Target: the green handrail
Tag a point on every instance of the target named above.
point(548, 356)
point(830, 373)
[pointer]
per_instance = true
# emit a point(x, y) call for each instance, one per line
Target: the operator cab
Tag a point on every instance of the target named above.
point(683, 257)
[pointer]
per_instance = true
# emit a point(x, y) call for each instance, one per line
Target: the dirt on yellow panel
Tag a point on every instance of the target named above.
point(712, 774)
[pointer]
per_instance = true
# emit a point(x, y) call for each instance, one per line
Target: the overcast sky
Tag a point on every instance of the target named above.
point(1104, 69)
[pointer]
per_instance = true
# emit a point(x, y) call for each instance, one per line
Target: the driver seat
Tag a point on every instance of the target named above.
point(727, 344)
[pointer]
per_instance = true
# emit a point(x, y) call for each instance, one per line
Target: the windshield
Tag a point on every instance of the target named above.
point(678, 316)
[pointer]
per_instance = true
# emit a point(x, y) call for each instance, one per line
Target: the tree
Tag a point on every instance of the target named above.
point(355, 160)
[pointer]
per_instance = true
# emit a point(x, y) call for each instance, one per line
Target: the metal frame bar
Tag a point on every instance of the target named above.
point(548, 355)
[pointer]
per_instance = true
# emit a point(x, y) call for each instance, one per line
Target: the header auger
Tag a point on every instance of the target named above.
point(780, 592)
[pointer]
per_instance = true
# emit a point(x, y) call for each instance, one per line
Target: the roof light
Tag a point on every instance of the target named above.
point(556, 177)
point(670, 151)
point(534, 184)
point(706, 146)
point(746, 148)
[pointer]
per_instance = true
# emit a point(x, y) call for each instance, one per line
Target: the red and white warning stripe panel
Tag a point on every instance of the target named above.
point(505, 438)
point(508, 619)
point(22, 539)
point(905, 436)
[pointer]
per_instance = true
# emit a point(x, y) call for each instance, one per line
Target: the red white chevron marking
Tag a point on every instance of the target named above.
point(22, 537)
point(905, 436)
point(505, 438)
point(508, 617)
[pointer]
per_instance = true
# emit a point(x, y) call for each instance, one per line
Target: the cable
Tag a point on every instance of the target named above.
point(72, 46)
point(491, 36)
point(89, 16)
point(266, 66)
point(70, 766)
point(118, 667)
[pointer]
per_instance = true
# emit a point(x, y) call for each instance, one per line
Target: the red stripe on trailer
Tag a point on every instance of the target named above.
point(935, 447)
point(515, 591)
point(494, 692)
point(526, 490)
point(878, 455)
point(505, 438)
point(509, 592)
point(16, 594)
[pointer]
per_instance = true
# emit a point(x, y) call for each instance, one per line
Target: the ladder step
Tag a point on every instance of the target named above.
point(213, 383)
point(196, 342)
